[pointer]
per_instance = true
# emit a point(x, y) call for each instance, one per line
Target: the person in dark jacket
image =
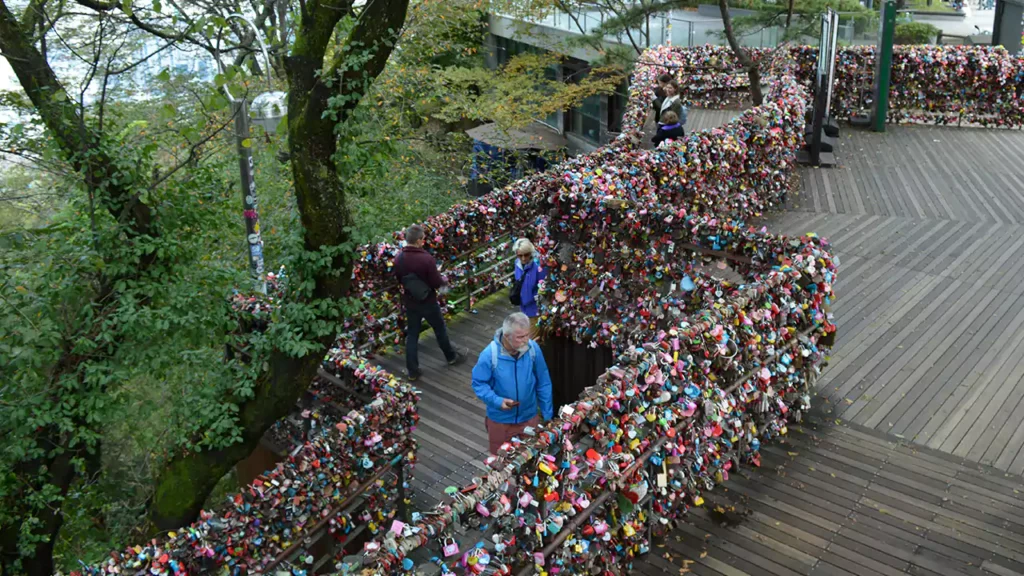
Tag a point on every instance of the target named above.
point(414, 260)
point(670, 130)
point(528, 269)
point(659, 94)
point(512, 380)
point(671, 101)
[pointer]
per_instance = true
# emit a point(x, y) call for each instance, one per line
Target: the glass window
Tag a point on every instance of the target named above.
point(586, 118)
point(552, 119)
point(617, 103)
point(501, 50)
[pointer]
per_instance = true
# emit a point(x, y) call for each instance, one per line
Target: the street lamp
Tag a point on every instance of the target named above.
point(269, 107)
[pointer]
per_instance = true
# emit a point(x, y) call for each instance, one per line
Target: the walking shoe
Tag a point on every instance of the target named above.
point(460, 357)
point(413, 376)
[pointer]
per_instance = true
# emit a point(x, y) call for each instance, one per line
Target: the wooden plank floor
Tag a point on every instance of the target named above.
point(451, 435)
point(697, 119)
point(845, 500)
point(929, 225)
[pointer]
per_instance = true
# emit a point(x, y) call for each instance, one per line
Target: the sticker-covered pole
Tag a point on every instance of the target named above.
point(253, 238)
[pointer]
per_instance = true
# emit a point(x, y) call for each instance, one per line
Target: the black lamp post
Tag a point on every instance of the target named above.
point(268, 108)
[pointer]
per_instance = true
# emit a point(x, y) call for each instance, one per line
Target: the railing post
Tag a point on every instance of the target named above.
point(403, 508)
point(652, 477)
point(469, 291)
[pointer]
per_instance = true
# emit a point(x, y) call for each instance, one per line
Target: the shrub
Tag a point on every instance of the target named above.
point(915, 33)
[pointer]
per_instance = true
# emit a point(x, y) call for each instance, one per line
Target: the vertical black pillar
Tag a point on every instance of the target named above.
point(573, 367)
point(1007, 26)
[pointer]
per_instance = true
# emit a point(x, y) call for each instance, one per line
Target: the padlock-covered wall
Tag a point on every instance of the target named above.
point(253, 529)
point(691, 396)
point(942, 85)
point(695, 424)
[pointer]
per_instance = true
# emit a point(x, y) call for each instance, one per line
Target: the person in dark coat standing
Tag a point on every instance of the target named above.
point(670, 130)
point(671, 101)
point(659, 95)
point(414, 263)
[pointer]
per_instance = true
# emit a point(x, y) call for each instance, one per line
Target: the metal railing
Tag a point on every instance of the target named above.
point(679, 30)
point(352, 502)
point(465, 289)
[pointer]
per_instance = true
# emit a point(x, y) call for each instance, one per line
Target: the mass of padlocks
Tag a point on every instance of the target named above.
point(708, 168)
point(931, 84)
point(256, 526)
point(981, 85)
point(706, 369)
point(668, 422)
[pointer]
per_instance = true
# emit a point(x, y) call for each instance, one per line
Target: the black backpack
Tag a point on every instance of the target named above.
point(515, 293)
point(414, 286)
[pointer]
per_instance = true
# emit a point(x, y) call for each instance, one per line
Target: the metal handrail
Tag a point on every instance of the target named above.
point(334, 512)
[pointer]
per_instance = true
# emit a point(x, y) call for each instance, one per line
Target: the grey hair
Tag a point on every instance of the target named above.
point(515, 320)
point(524, 246)
point(414, 234)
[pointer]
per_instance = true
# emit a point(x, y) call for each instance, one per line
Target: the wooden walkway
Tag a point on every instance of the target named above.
point(451, 435)
point(929, 226)
point(913, 464)
point(846, 501)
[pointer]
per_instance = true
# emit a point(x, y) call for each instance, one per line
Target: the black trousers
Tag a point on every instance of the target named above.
point(415, 315)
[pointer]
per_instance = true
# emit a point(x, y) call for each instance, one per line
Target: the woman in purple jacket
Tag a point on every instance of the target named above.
point(531, 273)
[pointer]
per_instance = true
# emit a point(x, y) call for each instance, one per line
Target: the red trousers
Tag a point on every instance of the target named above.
point(498, 434)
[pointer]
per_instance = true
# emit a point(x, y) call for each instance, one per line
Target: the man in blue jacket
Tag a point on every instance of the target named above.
point(512, 380)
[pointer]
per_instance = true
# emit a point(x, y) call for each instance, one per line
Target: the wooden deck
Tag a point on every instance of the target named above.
point(924, 393)
point(929, 226)
point(847, 501)
point(451, 435)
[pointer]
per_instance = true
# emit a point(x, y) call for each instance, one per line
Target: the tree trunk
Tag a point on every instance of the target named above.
point(60, 474)
point(754, 75)
point(323, 208)
point(188, 479)
point(81, 147)
point(789, 14)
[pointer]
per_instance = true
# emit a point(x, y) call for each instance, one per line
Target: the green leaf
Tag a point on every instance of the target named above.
point(126, 5)
point(157, 7)
point(247, 143)
point(164, 75)
point(168, 111)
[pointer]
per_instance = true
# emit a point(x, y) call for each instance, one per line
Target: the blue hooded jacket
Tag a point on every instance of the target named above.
point(533, 274)
point(522, 379)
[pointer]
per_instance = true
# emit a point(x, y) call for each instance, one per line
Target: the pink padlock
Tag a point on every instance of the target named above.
point(450, 548)
point(482, 510)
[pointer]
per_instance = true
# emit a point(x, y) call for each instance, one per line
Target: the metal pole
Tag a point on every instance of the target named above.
point(883, 66)
point(254, 240)
point(403, 509)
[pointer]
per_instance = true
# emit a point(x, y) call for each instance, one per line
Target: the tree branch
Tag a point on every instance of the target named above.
point(742, 55)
